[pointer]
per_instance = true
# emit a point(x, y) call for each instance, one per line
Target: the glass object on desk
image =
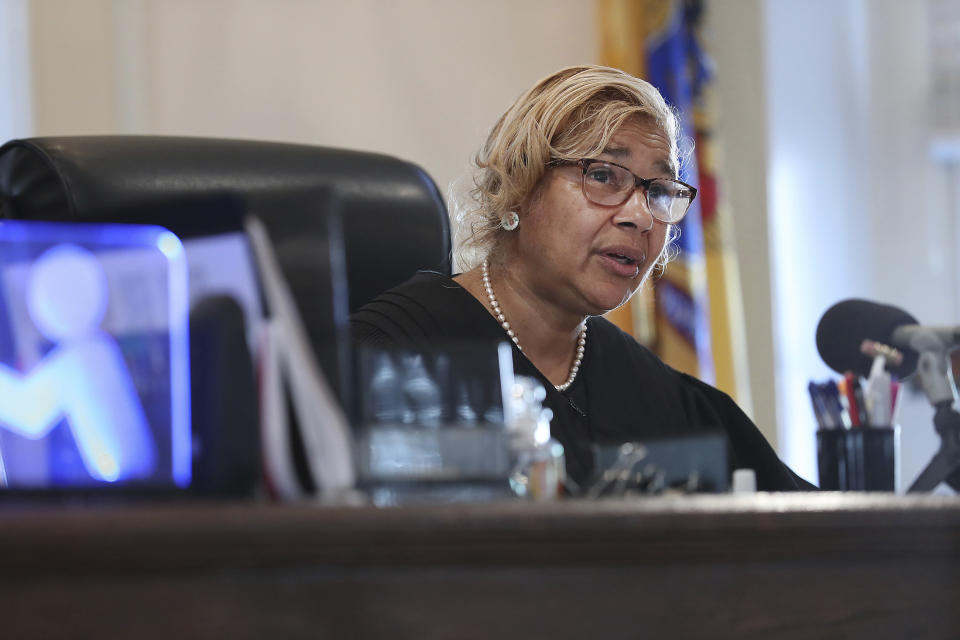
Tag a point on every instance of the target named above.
point(430, 424)
point(539, 470)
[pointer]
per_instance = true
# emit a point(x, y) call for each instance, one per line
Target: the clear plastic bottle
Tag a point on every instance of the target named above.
point(539, 471)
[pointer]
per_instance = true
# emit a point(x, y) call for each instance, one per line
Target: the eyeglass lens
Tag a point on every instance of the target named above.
point(611, 185)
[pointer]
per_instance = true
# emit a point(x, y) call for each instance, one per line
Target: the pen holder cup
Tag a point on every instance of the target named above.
point(858, 459)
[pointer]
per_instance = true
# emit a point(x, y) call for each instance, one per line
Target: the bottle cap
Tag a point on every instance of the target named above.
point(744, 481)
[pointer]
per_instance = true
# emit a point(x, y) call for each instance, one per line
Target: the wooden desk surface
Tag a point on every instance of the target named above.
point(763, 566)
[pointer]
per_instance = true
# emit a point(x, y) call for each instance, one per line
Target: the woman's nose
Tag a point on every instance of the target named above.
point(634, 213)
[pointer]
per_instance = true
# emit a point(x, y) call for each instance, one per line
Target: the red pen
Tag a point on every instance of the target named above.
point(851, 380)
point(894, 400)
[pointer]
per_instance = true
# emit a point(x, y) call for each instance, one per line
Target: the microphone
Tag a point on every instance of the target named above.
point(845, 326)
point(841, 332)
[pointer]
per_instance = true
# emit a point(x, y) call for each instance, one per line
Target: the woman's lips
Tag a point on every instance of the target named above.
point(622, 262)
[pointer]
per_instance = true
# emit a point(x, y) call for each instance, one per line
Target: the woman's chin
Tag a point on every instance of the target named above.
point(606, 300)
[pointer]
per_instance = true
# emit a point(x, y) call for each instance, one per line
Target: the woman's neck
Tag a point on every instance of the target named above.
point(546, 333)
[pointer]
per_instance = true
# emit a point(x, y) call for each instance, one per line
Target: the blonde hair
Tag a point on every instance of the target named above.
point(568, 115)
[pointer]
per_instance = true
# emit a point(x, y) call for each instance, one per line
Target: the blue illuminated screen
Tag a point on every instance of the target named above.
point(94, 364)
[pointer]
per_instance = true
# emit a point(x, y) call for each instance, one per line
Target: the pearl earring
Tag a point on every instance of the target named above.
point(510, 221)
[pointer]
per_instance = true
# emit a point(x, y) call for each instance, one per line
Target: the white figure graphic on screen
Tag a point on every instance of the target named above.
point(83, 378)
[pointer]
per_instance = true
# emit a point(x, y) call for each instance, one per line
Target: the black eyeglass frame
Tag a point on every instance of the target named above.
point(638, 182)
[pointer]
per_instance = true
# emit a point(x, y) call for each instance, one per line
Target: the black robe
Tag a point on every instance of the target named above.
point(623, 392)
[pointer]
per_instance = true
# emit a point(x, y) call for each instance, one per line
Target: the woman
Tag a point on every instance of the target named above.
point(576, 200)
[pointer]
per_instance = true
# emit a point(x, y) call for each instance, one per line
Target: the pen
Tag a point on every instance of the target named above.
point(841, 385)
point(853, 407)
point(817, 402)
point(821, 407)
point(861, 405)
point(831, 396)
point(895, 390)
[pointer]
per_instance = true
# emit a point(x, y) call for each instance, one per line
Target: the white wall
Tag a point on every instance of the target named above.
point(914, 218)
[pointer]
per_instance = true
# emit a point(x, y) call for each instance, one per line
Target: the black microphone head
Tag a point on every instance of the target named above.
point(845, 326)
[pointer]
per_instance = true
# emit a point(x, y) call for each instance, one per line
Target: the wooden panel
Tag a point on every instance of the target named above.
point(724, 566)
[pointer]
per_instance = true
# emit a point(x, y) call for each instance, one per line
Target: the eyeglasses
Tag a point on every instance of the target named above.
point(610, 185)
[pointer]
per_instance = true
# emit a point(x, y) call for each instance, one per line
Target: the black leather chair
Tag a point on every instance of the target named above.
point(394, 221)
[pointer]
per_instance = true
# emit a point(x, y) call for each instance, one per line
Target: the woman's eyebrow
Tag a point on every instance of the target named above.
point(616, 152)
point(666, 167)
point(621, 153)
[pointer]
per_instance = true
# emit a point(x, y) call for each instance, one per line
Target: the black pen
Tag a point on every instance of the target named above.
point(819, 410)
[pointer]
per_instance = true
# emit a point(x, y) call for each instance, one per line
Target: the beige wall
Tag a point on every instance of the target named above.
point(14, 72)
point(734, 37)
point(419, 79)
point(73, 69)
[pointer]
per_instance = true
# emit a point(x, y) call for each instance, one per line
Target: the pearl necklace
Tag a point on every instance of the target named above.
point(498, 312)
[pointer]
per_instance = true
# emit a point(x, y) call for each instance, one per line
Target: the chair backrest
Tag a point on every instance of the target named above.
point(394, 221)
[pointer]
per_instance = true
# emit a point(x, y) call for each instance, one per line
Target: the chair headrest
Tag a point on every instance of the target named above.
point(393, 217)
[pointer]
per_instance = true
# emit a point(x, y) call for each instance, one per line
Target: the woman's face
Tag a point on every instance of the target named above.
point(588, 258)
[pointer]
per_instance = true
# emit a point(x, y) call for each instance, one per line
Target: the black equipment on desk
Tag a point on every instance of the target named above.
point(694, 463)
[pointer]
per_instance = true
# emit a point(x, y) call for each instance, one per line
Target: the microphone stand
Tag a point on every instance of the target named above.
point(933, 369)
point(945, 464)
